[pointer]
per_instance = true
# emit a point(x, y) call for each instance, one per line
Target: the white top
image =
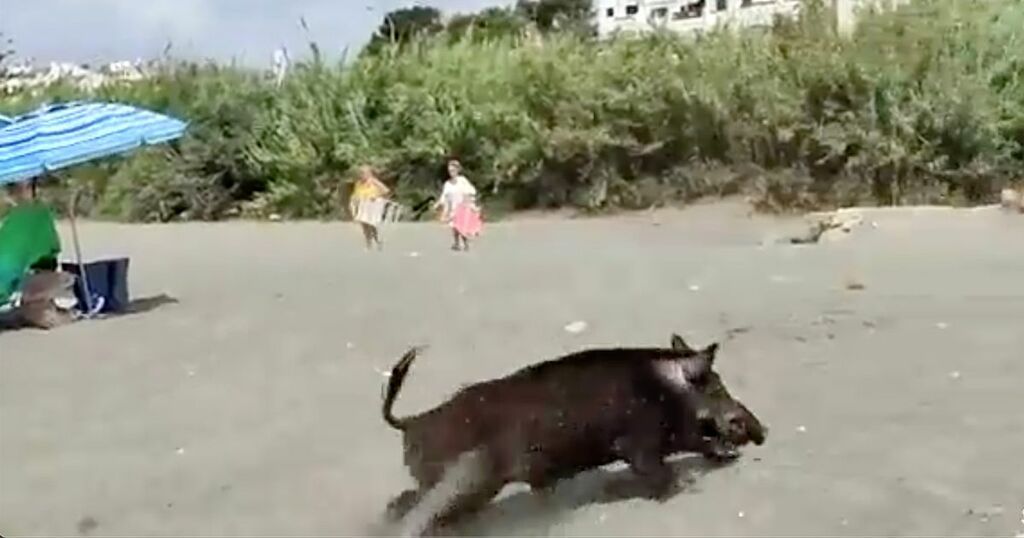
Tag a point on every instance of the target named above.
point(455, 191)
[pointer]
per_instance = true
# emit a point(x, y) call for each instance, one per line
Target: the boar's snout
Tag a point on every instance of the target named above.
point(741, 427)
point(755, 431)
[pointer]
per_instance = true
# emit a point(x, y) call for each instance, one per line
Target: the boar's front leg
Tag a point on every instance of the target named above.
point(657, 477)
point(709, 444)
point(403, 503)
point(642, 451)
point(719, 450)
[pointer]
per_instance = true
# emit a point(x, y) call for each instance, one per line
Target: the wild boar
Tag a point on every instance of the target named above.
point(553, 420)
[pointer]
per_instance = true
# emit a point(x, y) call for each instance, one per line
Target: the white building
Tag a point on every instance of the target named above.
point(687, 16)
point(694, 16)
point(25, 76)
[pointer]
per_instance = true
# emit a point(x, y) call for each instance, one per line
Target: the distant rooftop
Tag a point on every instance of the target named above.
point(25, 75)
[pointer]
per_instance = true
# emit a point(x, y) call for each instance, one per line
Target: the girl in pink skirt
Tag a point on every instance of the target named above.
point(459, 208)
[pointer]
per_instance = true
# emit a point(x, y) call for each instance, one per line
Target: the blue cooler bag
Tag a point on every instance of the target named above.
point(107, 279)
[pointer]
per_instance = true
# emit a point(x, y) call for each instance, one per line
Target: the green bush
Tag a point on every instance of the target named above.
point(922, 104)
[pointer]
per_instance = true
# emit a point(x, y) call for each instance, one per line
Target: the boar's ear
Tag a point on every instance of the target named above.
point(680, 345)
point(711, 352)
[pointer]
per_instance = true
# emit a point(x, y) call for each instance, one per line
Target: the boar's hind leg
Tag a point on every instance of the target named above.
point(467, 485)
point(470, 502)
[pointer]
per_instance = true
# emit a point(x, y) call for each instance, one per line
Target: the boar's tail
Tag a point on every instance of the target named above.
point(395, 381)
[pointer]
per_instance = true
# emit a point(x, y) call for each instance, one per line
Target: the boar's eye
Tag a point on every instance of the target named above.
point(707, 427)
point(711, 385)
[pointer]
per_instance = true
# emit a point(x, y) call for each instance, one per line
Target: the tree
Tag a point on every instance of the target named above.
point(6, 51)
point(558, 15)
point(490, 23)
point(402, 25)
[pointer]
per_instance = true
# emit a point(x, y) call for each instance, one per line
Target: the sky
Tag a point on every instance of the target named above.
point(96, 31)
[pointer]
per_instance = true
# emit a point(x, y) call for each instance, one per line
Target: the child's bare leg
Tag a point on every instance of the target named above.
point(376, 238)
point(455, 239)
point(367, 234)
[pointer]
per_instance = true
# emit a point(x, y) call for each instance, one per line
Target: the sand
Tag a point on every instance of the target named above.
point(250, 406)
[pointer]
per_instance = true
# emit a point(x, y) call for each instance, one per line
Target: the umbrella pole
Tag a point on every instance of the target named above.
point(87, 291)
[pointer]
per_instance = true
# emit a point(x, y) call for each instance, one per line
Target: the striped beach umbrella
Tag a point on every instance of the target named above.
point(59, 136)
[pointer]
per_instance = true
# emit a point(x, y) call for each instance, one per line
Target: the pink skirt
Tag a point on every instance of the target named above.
point(467, 221)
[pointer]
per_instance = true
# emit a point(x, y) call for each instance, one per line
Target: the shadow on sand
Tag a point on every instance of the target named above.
point(10, 322)
point(144, 305)
point(525, 513)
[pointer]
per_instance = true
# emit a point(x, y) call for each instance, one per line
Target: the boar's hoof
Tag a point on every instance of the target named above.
point(661, 486)
point(657, 487)
point(543, 488)
point(664, 491)
point(722, 453)
point(637, 488)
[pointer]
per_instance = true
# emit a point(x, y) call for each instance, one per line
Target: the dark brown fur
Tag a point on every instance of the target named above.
point(553, 420)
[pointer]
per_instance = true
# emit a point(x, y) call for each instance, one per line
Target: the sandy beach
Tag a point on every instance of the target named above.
point(248, 402)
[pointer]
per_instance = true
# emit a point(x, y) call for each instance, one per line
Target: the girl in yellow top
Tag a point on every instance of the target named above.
point(367, 205)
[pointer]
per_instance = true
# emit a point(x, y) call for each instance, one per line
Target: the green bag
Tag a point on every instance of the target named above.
point(28, 235)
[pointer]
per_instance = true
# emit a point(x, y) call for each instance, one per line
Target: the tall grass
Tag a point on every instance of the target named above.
point(923, 104)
